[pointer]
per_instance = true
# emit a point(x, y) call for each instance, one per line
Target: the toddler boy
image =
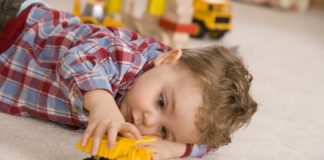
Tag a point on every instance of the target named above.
point(112, 81)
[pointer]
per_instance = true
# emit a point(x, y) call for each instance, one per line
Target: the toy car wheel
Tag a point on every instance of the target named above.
point(95, 158)
point(216, 34)
point(88, 22)
point(201, 29)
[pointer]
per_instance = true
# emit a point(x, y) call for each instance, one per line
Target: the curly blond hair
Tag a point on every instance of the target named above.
point(225, 83)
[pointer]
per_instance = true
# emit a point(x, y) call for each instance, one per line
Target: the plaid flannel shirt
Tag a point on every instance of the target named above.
point(56, 58)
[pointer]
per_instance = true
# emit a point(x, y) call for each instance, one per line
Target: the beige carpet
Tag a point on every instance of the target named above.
point(285, 53)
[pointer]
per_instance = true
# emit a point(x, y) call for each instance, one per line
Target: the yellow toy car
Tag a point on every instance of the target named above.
point(212, 16)
point(125, 149)
point(100, 12)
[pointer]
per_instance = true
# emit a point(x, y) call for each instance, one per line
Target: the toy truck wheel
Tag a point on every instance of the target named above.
point(88, 22)
point(216, 34)
point(95, 158)
point(201, 29)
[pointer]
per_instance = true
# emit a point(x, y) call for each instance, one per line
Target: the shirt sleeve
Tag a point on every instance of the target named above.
point(100, 61)
point(83, 69)
point(195, 151)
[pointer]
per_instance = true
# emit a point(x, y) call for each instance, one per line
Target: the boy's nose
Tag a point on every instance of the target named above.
point(150, 124)
point(151, 119)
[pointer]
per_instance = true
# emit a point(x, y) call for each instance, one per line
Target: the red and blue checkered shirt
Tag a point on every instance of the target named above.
point(56, 58)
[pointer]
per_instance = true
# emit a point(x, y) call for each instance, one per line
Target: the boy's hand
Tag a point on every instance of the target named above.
point(105, 119)
point(164, 149)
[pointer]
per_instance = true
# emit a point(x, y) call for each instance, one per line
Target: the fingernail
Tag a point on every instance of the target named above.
point(83, 143)
point(111, 146)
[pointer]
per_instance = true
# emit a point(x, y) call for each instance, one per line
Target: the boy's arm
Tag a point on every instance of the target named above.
point(89, 74)
point(164, 149)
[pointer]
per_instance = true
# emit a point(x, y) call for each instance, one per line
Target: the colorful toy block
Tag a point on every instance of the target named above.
point(184, 28)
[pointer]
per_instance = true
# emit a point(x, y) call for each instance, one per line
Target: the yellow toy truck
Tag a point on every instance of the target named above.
point(212, 16)
point(100, 12)
point(125, 149)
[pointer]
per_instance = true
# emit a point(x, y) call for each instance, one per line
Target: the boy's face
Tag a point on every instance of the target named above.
point(164, 101)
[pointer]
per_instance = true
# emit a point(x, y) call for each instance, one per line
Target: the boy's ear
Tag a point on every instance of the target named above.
point(169, 57)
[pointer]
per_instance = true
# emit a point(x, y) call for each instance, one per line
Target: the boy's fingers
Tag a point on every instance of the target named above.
point(95, 146)
point(112, 134)
point(128, 135)
point(131, 129)
point(146, 145)
point(156, 156)
point(98, 130)
point(87, 133)
point(97, 136)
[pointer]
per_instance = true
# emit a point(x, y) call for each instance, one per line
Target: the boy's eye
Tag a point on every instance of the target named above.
point(164, 133)
point(161, 101)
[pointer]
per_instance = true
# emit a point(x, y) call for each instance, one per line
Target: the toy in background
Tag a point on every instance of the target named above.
point(297, 5)
point(125, 149)
point(100, 12)
point(176, 21)
point(172, 25)
point(212, 17)
point(170, 21)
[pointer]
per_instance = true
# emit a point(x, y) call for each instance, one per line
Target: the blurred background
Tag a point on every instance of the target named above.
point(281, 42)
point(173, 22)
